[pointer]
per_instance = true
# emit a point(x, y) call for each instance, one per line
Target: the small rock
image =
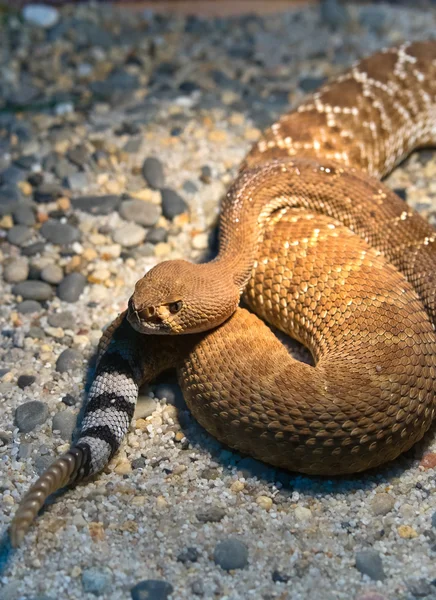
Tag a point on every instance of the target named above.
point(302, 513)
point(279, 577)
point(407, 532)
point(32, 249)
point(151, 589)
point(42, 462)
point(59, 233)
point(29, 306)
point(333, 14)
point(40, 15)
point(47, 192)
point(31, 414)
point(211, 514)
point(95, 581)
point(69, 400)
point(145, 407)
point(172, 204)
point(206, 174)
point(200, 241)
point(428, 461)
point(140, 212)
point(77, 181)
point(96, 205)
point(152, 171)
point(420, 588)
point(156, 235)
point(138, 463)
point(231, 554)
point(369, 562)
point(71, 287)
point(33, 290)
point(24, 215)
point(24, 450)
point(264, 502)
point(129, 235)
point(18, 235)
point(64, 320)
point(64, 422)
point(382, 504)
point(197, 588)
point(69, 360)
point(16, 270)
point(188, 555)
point(52, 274)
point(24, 381)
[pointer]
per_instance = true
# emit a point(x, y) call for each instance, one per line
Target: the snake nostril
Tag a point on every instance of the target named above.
point(148, 313)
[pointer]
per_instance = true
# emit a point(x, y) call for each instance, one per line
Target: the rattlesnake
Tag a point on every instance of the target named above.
point(323, 251)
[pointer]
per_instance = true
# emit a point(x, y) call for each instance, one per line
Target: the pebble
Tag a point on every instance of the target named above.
point(33, 290)
point(24, 215)
point(77, 181)
point(31, 414)
point(16, 270)
point(156, 235)
point(129, 235)
point(140, 212)
point(24, 381)
point(197, 587)
point(264, 502)
point(231, 554)
point(71, 287)
point(419, 587)
point(302, 513)
point(382, 504)
point(151, 589)
point(428, 461)
point(69, 360)
point(28, 307)
point(96, 205)
point(200, 241)
point(40, 15)
point(24, 450)
point(52, 274)
point(42, 463)
point(145, 407)
point(188, 555)
point(211, 514)
point(33, 249)
point(152, 170)
point(172, 204)
point(95, 581)
point(64, 320)
point(59, 233)
point(47, 192)
point(407, 532)
point(279, 577)
point(369, 562)
point(64, 422)
point(18, 235)
point(69, 400)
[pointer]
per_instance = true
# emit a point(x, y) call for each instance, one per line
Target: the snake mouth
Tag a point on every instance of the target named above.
point(146, 320)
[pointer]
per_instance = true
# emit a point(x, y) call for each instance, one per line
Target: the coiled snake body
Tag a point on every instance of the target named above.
point(324, 252)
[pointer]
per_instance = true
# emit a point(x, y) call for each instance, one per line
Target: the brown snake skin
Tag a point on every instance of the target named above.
point(330, 256)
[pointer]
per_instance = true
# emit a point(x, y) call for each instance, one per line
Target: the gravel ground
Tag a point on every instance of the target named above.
point(118, 136)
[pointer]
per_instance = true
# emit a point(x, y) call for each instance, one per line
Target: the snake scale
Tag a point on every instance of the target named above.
point(324, 252)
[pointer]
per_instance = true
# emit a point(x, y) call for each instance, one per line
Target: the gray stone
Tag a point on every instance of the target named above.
point(40, 15)
point(433, 520)
point(18, 235)
point(190, 187)
point(151, 589)
point(129, 235)
point(24, 450)
point(96, 205)
point(188, 555)
point(12, 175)
point(59, 233)
point(333, 14)
point(33, 290)
point(95, 581)
point(31, 414)
point(52, 274)
point(231, 554)
point(69, 360)
point(77, 181)
point(382, 503)
point(172, 204)
point(28, 307)
point(65, 320)
point(369, 562)
point(16, 270)
point(24, 214)
point(211, 514)
point(419, 587)
point(42, 463)
point(71, 287)
point(156, 235)
point(47, 192)
point(153, 173)
point(140, 212)
point(33, 249)
point(64, 422)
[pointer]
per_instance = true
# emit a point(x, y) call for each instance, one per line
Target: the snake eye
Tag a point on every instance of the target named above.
point(174, 307)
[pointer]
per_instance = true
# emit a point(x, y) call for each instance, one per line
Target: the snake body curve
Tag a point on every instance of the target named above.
point(324, 252)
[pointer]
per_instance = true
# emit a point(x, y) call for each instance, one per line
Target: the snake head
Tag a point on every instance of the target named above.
point(177, 297)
